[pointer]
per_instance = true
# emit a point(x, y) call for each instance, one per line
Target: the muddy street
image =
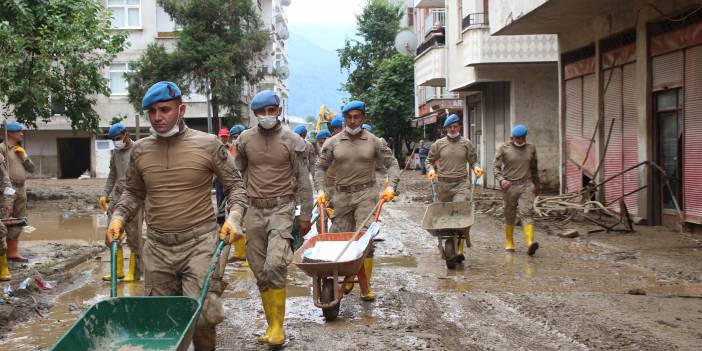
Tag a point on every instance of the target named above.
point(640, 291)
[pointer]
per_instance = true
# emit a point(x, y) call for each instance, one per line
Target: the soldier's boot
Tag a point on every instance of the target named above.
point(133, 273)
point(532, 245)
point(277, 305)
point(509, 237)
point(13, 252)
point(4, 269)
point(239, 253)
point(120, 265)
point(460, 257)
point(368, 267)
point(266, 302)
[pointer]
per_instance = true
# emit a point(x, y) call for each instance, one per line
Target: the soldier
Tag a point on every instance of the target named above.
point(337, 125)
point(322, 136)
point(311, 154)
point(455, 155)
point(6, 188)
point(516, 169)
point(116, 180)
point(239, 252)
point(272, 160)
point(355, 152)
point(17, 165)
point(170, 173)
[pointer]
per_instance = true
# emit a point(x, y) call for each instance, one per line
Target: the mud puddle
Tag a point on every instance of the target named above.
point(80, 227)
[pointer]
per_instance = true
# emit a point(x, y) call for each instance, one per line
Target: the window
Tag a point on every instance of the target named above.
point(118, 81)
point(125, 13)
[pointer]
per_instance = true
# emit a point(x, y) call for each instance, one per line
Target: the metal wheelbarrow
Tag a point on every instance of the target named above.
point(145, 323)
point(329, 278)
point(449, 222)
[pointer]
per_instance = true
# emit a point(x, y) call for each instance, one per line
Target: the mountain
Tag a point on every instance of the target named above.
point(315, 77)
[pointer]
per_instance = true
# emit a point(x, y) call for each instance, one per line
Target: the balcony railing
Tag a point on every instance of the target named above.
point(432, 42)
point(475, 19)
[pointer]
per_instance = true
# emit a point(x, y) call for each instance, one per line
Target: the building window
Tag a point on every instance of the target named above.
point(118, 80)
point(125, 13)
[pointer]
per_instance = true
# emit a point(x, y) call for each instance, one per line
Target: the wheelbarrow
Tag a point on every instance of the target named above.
point(329, 278)
point(449, 222)
point(143, 323)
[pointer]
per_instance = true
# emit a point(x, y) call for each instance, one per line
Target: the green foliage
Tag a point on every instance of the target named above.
point(52, 54)
point(216, 52)
point(378, 24)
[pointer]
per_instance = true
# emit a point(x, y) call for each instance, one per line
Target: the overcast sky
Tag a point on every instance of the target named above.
point(324, 12)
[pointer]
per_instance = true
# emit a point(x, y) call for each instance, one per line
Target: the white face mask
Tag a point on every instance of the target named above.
point(353, 131)
point(267, 122)
point(173, 131)
point(518, 145)
point(453, 135)
point(120, 144)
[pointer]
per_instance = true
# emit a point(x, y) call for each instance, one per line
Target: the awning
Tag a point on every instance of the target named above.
point(425, 120)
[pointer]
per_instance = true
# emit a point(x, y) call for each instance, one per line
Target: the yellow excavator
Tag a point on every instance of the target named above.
point(325, 116)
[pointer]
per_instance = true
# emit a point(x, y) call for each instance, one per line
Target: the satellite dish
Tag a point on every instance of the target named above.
point(406, 42)
point(283, 72)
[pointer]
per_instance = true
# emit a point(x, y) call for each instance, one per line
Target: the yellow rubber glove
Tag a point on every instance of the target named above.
point(388, 194)
point(20, 151)
point(431, 174)
point(322, 198)
point(478, 171)
point(103, 202)
point(116, 230)
point(231, 231)
point(330, 212)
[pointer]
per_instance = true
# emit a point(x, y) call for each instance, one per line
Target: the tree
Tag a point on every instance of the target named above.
point(377, 24)
point(52, 54)
point(216, 53)
point(391, 101)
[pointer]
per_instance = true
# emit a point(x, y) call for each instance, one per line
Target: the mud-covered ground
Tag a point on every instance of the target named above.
point(638, 291)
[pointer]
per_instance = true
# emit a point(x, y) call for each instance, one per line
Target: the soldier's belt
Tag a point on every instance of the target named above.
point(520, 181)
point(175, 238)
point(270, 202)
point(354, 188)
point(453, 179)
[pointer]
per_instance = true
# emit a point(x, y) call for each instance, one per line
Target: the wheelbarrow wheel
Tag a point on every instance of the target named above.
point(328, 287)
point(450, 253)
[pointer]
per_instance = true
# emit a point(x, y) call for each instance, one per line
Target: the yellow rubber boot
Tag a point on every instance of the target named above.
point(239, 253)
point(277, 305)
point(509, 237)
point(132, 275)
point(120, 265)
point(368, 266)
point(266, 301)
point(4, 269)
point(532, 245)
point(459, 252)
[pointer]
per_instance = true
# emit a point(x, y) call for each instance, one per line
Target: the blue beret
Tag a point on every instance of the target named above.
point(367, 127)
point(14, 127)
point(115, 130)
point(300, 129)
point(519, 130)
point(451, 120)
point(236, 129)
point(323, 134)
point(354, 105)
point(161, 91)
point(337, 122)
point(264, 98)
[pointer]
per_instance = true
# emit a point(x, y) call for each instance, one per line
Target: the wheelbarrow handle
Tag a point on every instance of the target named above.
point(113, 269)
point(213, 265)
point(322, 218)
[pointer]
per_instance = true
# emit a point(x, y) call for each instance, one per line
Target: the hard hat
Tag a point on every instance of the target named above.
point(223, 132)
point(264, 98)
point(161, 91)
point(14, 127)
point(299, 130)
point(451, 120)
point(354, 105)
point(337, 122)
point(115, 130)
point(236, 129)
point(367, 127)
point(519, 130)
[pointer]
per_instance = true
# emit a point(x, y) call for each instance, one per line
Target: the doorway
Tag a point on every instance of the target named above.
point(668, 141)
point(73, 157)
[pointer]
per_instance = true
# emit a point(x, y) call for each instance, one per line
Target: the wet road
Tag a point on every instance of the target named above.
point(571, 295)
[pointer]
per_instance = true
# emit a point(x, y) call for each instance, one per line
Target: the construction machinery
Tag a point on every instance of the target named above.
point(325, 116)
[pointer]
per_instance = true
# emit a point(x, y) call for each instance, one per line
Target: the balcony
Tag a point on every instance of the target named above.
point(428, 3)
point(472, 20)
point(479, 47)
point(430, 67)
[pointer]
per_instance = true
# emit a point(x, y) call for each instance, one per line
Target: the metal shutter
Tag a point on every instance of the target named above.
point(667, 70)
point(590, 116)
point(613, 158)
point(573, 129)
point(630, 132)
point(692, 136)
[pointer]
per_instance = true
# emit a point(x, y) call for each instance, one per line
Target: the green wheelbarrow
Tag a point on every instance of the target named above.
point(145, 323)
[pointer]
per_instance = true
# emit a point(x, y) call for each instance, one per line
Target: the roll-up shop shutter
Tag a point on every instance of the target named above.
point(590, 115)
point(630, 131)
point(692, 135)
point(613, 158)
point(573, 129)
